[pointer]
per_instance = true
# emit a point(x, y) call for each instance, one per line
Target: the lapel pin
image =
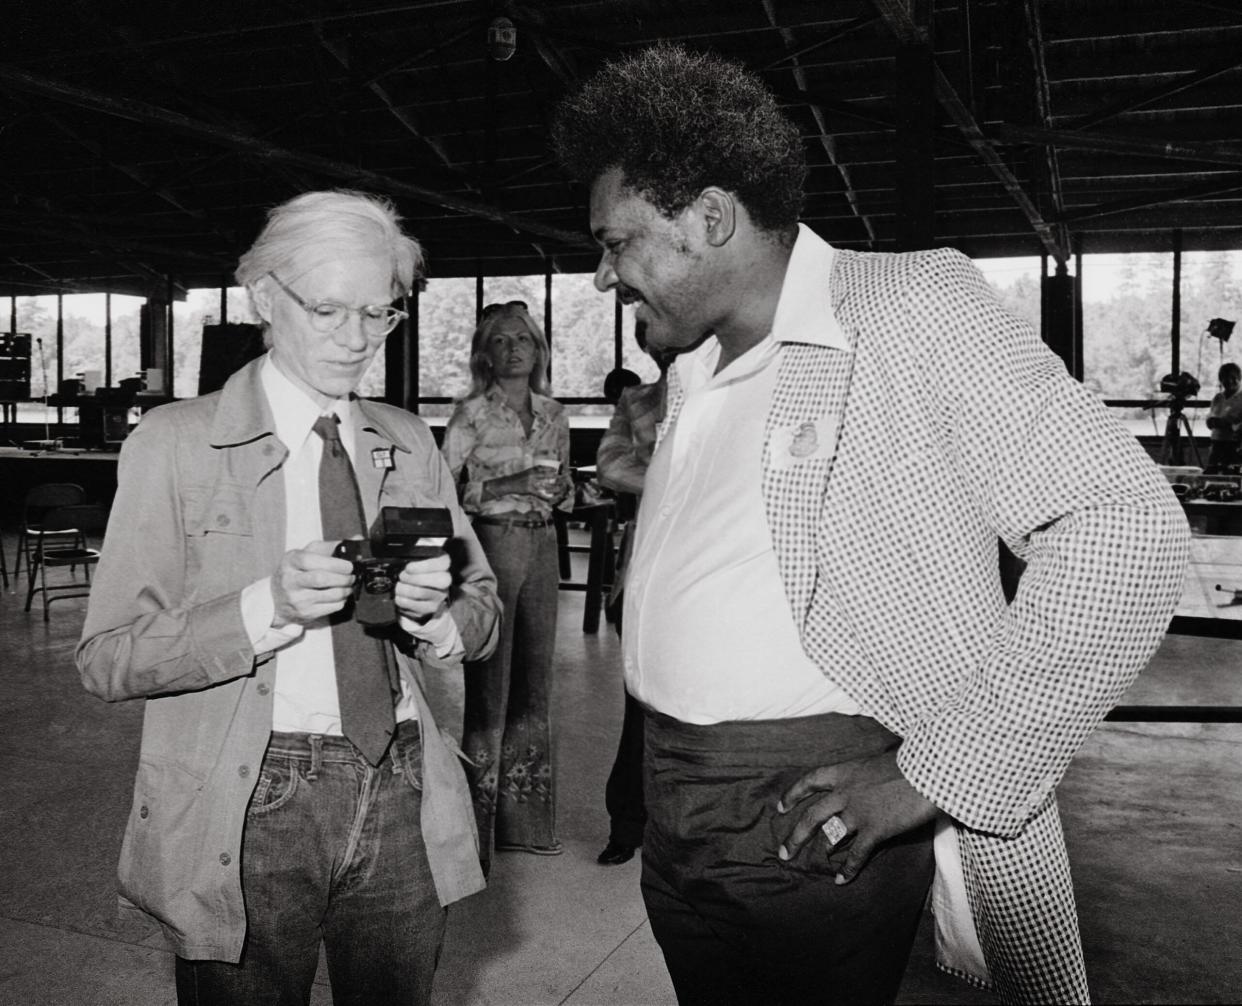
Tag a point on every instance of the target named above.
point(381, 457)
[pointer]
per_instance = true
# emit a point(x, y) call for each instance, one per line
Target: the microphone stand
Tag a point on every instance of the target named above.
point(47, 430)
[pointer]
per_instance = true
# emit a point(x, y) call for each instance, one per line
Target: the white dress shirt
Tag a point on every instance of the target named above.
point(305, 698)
point(709, 633)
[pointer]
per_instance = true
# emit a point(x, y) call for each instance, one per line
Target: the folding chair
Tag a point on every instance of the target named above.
point(56, 548)
point(39, 500)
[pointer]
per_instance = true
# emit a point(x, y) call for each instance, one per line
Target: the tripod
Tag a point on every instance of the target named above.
point(1171, 445)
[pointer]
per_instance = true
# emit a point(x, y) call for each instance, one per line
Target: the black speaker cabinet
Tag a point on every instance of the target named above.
point(14, 366)
point(226, 349)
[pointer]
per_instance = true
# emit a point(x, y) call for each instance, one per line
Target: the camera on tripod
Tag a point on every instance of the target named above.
point(399, 535)
point(1180, 387)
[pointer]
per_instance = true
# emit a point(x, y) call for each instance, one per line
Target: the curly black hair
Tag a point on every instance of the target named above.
point(676, 122)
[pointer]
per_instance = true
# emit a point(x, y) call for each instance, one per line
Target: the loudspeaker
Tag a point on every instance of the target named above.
point(226, 349)
point(14, 366)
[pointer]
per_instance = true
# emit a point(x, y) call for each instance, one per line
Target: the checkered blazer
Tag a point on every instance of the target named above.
point(991, 700)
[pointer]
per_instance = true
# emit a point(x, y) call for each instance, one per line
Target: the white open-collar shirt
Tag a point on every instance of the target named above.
point(709, 635)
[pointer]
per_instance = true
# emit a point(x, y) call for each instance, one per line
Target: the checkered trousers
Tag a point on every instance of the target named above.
point(899, 556)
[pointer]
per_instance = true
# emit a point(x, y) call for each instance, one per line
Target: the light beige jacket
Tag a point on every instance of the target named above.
point(199, 514)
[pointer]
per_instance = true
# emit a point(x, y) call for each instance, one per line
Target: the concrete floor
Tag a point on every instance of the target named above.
point(1152, 813)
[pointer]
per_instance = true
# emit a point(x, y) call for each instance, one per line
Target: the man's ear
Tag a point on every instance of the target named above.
point(261, 298)
point(719, 215)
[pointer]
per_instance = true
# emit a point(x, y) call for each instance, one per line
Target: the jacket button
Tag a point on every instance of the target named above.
point(222, 521)
point(225, 859)
point(244, 771)
point(263, 689)
point(143, 812)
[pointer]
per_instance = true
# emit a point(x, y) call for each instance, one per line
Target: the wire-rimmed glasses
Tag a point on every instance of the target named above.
point(329, 315)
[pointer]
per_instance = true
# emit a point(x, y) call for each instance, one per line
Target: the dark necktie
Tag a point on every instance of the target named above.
point(362, 678)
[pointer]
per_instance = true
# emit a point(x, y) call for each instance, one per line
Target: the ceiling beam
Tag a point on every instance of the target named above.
point(792, 57)
point(1153, 94)
point(899, 18)
point(826, 139)
point(1221, 186)
point(14, 79)
point(337, 51)
point(1201, 153)
point(64, 229)
point(1043, 109)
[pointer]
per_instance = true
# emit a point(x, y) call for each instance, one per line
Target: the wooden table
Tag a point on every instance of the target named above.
point(94, 471)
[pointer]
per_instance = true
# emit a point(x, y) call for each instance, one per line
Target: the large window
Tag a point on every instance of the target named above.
point(1017, 283)
point(584, 345)
point(84, 352)
point(126, 341)
point(1128, 343)
point(1126, 324)
point(446, 311)
point(201, 307)
point(36, 316)
point(1211, 288)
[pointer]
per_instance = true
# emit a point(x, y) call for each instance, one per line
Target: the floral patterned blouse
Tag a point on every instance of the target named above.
point(485, 440)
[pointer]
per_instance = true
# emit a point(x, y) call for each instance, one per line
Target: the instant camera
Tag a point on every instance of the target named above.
point(399, 535)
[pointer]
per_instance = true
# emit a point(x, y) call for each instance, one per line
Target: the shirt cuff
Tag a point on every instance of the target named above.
point(440, 631)
point(257, 611)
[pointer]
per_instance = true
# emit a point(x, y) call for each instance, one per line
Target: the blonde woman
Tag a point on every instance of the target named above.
point(507, 443)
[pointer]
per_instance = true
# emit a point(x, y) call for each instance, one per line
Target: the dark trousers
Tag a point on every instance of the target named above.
point(1222, 453)
point(332, 852)
point(736, 924)
point(623, 793)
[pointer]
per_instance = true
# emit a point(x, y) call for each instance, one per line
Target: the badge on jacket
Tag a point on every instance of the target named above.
point(381, 457)
point(802, 442)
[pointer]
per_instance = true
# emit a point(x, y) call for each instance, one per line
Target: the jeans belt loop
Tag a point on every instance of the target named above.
point(316, 746)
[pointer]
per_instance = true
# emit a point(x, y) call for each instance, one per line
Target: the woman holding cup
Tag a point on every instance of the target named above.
point(507, 444)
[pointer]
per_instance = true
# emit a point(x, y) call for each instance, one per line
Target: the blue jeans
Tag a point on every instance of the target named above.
point(332, 852)
point(508, 730)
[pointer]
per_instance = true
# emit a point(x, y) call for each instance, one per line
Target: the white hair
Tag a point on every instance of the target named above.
point(318, 227)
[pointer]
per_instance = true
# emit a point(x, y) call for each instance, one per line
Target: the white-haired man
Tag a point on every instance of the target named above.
point(299, 781)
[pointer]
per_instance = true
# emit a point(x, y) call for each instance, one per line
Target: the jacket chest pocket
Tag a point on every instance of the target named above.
point(219, 531)
point(225, 509)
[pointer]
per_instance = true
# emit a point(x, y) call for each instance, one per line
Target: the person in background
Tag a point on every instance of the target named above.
point(828, 666)
point(1224, 421)
point(298, 781)
point(616, 381)
point(621, 465)
point(507, 444)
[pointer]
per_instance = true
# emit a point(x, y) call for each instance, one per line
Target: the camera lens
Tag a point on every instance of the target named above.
point(377, 578)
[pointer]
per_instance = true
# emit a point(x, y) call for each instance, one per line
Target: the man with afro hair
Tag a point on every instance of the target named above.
point(839, 702)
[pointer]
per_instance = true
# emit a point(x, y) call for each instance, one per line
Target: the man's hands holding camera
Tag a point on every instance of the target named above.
point(311, 583)
point(422, 590)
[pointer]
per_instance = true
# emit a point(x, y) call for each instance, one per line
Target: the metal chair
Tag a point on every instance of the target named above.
point(39, 500)
point(56, 548)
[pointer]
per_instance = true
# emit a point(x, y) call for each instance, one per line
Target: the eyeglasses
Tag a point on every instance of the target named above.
point(329, 315)
point(491, 309)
